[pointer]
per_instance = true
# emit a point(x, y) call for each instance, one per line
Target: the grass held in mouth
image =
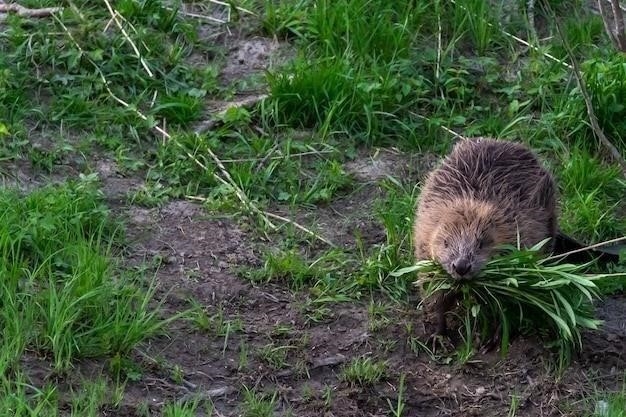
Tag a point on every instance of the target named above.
point(522, 290)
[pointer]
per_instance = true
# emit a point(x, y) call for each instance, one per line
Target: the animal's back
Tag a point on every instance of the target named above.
point(506, 173)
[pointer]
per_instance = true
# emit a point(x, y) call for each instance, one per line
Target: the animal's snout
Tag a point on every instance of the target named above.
point(462, 267)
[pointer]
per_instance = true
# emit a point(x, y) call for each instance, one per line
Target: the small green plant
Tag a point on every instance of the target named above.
point(607, 404)
point(327, 395)
point(257, 404)
point(286, 19)
point(395, 212)
point(378, 315)
point(606, 82)
point(397, 410)
point(364, 371)
point(591, 202)
point(514, 405)
point(91, 397)
point(475, 16)
point(185, 409)
point(275, 356)
point(242, 363)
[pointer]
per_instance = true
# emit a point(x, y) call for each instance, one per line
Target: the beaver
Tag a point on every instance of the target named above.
point(485, 193)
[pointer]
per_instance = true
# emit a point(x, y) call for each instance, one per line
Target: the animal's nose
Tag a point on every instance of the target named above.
point(462, 266)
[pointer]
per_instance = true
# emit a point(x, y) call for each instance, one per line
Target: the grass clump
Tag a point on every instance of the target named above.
point(591, 203)
point(611, 405)
point(354, 74)
point(364, 371)
point(522, 290)
point(62, 293)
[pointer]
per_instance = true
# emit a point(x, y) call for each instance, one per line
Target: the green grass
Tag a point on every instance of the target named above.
point(258, 404)
point(364, 371)
point(613, 406)
point(64, 295)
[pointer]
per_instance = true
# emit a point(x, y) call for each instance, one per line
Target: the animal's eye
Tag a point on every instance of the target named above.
point(445, 243)
point(482, 242)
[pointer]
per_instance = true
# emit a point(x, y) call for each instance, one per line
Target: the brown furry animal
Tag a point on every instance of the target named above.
point(485, 193)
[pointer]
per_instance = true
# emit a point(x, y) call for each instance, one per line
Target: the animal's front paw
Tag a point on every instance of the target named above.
point(439, 341)
point(494, 341)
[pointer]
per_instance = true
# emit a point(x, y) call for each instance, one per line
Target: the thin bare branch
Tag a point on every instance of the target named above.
point(606, 20)
point(239, 9)
point(26, 12)
point(282, 219)
point(299, 226)
point(114, 16)
point(618, 21)
point(594, 246)
point(293, 155)
point(202, 17)
point(447, 129)
point(595, 126)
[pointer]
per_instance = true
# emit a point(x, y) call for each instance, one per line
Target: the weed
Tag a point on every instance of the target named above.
point(90, 398)
point(327, 395)
point(364, 371)
point(216, 323)
point(398, 409)
point(186, 409)
point(378, 316)
point(275, 356)
point(605, 80)
point(514, 405)
point(286, 19)
point(258, 405)
point(607, 404)
point(56, 245)
point(242, 363)
point(395, 213)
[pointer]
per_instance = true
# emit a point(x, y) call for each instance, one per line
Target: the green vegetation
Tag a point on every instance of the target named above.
point(364, 371)
point(521, 291)
point(63, 294)
point(142, 86)
point(608, 404)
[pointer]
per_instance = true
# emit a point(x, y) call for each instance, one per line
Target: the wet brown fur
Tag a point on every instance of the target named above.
point(485, 193)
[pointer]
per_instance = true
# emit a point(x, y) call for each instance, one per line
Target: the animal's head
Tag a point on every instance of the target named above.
point(467, 237)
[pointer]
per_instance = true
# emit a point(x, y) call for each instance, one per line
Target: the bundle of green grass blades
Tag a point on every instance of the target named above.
point(522, 288)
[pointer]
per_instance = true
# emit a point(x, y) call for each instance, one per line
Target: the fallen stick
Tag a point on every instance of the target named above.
point(26, 12)
point(593, 120)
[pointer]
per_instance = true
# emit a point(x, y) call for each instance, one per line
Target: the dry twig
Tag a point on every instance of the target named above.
point(594, 246)
point(595, 126)
point(114, 17)
point(26, 12)
point(282, 219)
point(616, 17)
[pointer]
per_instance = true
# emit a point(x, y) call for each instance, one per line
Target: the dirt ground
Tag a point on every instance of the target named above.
point(201, 255)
